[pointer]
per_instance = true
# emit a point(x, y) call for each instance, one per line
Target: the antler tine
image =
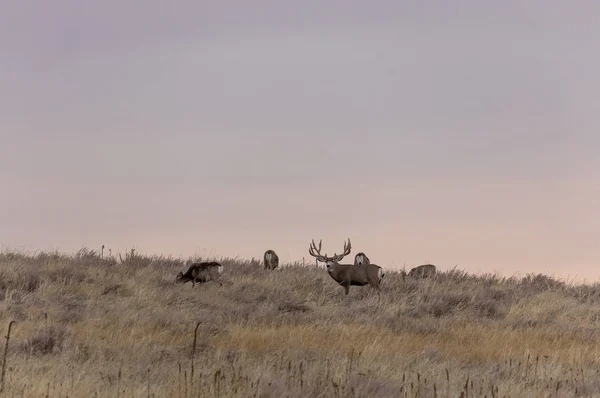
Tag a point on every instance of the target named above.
point(347, 247)
point(313, 248)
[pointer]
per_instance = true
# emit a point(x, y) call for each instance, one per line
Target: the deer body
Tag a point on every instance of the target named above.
point(349, 274)
point(423, 271)
point(201, 273)
point(356, 275)
point(271, 260)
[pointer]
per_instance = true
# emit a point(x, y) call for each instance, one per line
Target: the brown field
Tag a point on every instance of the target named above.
point(87, 326)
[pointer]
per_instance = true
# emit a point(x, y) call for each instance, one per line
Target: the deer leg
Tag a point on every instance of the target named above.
point(346, 285)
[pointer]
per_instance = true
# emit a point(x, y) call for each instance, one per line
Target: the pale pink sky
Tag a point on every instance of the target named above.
point(463, 133)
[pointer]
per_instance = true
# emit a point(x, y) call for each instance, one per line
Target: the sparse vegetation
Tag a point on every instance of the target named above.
point(89, 325)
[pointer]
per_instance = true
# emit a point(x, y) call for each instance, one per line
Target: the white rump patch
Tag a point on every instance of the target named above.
point(220, 269)
point(380, 273)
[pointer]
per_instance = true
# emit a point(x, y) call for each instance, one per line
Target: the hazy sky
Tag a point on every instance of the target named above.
point(450, 132)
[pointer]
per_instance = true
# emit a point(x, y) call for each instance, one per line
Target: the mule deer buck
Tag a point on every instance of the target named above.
point(271, 260)
point(348, 274)
point(361, 259)
point(423, 271)
point(201, 273)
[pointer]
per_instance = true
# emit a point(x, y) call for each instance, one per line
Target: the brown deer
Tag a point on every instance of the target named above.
point(201, 273)
point(423, 271)
point(348, 274)
point(271, 260)
point(361, 259)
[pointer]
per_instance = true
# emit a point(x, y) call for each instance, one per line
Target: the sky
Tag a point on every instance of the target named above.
point(458, 133)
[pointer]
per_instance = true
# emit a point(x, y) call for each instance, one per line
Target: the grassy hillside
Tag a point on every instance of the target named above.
point(86, 325)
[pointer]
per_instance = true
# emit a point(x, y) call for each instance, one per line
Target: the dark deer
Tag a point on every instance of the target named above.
point(201, 273)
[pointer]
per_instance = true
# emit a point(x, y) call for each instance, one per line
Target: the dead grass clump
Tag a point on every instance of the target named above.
point(45, 342)
point(360, 384)
point(65, 275)
point(46, 257)
point(489, 308)
point(440, 303)
point(291, 306)
point(423, 326)
point(235, 267)
point(540, 283)
point(492, 303)
point(24, 280)
point(85, 256)
point(10, 256)
point(589, 294)
point(410, 286)
point(522, 322)
point(154, 262)
point(116, 289)
point(442, 300)
point(256, 291)
point(453, 275)
point(24, 259)
point(70, 312)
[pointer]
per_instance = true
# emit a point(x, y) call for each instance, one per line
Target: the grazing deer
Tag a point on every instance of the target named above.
point(361, 259)
point(271, 260)
point(348, 274)
point(201, 273)
point(423, 271)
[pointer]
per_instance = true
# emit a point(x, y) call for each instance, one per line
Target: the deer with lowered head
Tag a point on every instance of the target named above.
point(201, 273)
point(348, 274)
point(423, 271)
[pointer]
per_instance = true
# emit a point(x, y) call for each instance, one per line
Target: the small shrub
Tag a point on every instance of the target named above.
point(290, 306)
point(45, 342)
point(440, 303)
point(91, 257)
point(24, 281)
point(541, 282)
point(489, 309)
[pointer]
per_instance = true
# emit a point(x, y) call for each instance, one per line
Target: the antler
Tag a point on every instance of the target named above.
point(347, 249)
point(313, 251)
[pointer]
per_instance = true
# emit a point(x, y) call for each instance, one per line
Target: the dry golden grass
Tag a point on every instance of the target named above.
point(87, 326)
